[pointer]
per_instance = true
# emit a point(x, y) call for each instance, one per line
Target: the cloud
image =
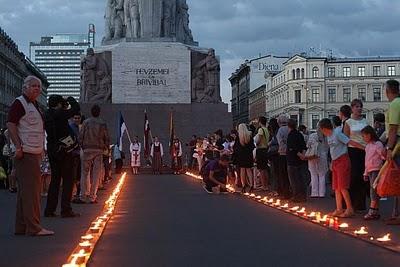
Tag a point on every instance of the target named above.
point(237, 29)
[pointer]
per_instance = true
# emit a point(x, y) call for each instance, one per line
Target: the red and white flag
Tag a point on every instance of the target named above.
point(147, 136)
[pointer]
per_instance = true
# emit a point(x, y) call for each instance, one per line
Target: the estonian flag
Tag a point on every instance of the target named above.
point(121, 129)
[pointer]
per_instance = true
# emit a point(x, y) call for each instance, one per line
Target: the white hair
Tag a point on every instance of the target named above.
point(283, 120)
point(28, 82)
point(244, 134)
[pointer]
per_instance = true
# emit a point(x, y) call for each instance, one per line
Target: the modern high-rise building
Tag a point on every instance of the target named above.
point(14, 68)
point(59, 57)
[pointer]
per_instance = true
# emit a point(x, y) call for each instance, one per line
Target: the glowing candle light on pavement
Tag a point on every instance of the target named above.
point(362, 231)
point(385, 238)
point(344, 226)
point(295, 208)
point(312, 215)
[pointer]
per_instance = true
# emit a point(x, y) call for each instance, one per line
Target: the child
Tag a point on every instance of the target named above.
point(338, 143)
point(373, 163)
point(46, 175)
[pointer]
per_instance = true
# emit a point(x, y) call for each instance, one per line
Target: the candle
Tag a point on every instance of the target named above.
point(285, 206)
point(259, 197)
point(253, 195)
point(80, 257)
point(302, 211)
point(86, 246)
point(95, 229)
point(312, 215)
point(265, 199)
point(87, 237)
point(271, 201)
point(295, 208)
point(362, 231)
point(344, 226)
point(385, 238)
point(324, 219)
point(246, 194)
point(277, 203)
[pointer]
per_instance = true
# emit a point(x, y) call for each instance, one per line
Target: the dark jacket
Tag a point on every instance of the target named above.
point(295, 144)
point(57, 125)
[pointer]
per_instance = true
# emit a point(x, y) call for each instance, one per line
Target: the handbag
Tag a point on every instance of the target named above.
point(389, 180)
point(6, 151)
point(68, 144)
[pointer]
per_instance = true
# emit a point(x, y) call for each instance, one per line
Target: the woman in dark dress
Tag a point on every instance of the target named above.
point(243, 154)
point(157, 152)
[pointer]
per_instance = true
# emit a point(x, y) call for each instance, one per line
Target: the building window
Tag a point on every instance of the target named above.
point(376, 71)
point(346, 72)
point(346, 95)
point(302, 73)
point(332, 94)
point(331, 72)
point(298, 74)
point(377, 94)
point(361, 71)
point(297, 96)
point(315, 120)
point(315, 95)
point(362, 93)
point(315, 72)
point(391, 71)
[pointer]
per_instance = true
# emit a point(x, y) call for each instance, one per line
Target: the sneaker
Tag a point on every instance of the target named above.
point(208, 190)
point(44, 232)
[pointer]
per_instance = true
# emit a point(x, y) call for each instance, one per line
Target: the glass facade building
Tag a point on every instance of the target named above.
point(59, 57)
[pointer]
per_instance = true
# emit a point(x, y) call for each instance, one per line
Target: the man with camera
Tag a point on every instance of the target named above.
point(60, 146)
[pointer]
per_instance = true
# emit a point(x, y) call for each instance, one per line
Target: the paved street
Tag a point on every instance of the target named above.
point(171, 221)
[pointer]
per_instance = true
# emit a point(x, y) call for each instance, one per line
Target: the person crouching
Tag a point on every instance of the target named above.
point(215, 173)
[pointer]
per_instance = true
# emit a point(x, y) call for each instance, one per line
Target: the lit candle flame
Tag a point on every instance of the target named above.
point(303, 210)
point(362, 231)
point(385, 238)
point(285, 206)
point(344, 226)
point(295, 208)
point(312, 215)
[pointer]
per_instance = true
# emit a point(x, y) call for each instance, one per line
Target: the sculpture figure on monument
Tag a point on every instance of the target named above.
point(119, 18)
point(89, 67)
point(198, 86)
point(132, 18)
point(109, 20)
point(168, 22)
point(183, 32)
point(103, 94)
point(212, 91)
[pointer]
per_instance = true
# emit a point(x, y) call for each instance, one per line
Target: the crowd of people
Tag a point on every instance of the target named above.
point(284, 159)
point(45, 152)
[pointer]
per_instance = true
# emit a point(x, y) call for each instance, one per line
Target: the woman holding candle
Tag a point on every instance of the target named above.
point(352, 128)
point(243, 153)
point(156, 153)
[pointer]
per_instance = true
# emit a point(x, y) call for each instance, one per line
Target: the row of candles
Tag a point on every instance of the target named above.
point(82, 253)
point(318, 218)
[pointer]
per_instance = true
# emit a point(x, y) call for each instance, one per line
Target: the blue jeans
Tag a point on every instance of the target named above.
point(298, 181)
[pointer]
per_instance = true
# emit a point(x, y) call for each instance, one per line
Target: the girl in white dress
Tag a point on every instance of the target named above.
point(135, 149)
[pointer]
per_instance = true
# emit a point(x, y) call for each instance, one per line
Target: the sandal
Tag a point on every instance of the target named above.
point(347, 214)
point(336, 213)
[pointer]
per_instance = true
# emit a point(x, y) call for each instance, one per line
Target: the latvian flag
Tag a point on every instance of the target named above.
point(147, 134)
point(121, 129)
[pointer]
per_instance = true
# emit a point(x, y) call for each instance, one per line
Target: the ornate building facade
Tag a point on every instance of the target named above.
point(311, 88)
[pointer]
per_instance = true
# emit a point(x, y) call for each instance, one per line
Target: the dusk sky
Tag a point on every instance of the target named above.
point(237, 29)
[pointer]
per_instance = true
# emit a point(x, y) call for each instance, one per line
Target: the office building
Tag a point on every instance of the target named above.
point(59, 57)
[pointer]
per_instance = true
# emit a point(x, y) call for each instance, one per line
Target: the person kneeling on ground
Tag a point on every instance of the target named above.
point(215, 173)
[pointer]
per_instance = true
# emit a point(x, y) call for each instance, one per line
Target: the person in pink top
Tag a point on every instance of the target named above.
point(374, 156)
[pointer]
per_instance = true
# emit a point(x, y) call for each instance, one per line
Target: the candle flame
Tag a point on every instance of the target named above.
point(385, 238)
point(295, 208)
point(285, 206)
point(312, 215)
point(344, 225)
point(362, 231)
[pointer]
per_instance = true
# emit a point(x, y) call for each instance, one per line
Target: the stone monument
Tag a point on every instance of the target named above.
point(149, 60)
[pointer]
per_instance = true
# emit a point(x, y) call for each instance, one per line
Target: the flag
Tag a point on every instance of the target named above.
point(147, 133)
point(171, 131)
point(121, 130)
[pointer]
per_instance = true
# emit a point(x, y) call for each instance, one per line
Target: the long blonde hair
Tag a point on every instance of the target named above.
point(244, 134)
